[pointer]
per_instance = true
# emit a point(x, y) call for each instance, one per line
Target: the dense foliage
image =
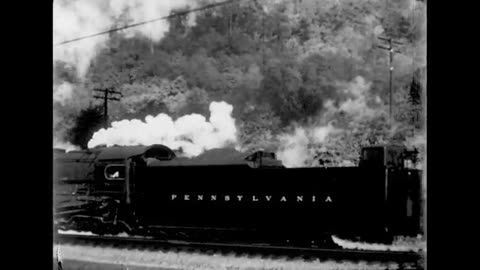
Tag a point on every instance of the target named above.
point(281, 64)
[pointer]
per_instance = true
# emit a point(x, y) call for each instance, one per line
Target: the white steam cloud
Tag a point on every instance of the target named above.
point(356, 105)
point(78, 18)
point(192, 133)
point(64, 145)
point(295, 148)
point(293, 151)
point(63, 92)
point(359, 103)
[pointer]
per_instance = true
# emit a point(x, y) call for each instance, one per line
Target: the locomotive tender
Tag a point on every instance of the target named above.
point(225, 195)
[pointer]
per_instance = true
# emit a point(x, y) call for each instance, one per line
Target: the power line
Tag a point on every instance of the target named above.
point(177, 14)
point(180, 13)
point(391, 51)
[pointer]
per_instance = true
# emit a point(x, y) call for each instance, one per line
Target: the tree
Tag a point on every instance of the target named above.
point(258, 128)
point(291, 60)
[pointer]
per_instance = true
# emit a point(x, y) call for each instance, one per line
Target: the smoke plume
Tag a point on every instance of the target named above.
point(64, 145)
point(346, 50)
point(298, 148)
point(78, 18)
point(192, 133)
point(295, 149)
point(63, 93)
point(358, 98)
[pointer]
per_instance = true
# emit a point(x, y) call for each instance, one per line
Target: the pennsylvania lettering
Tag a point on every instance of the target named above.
point(252, 198)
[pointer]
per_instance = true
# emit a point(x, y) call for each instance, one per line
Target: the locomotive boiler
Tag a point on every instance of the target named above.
point(226, 195)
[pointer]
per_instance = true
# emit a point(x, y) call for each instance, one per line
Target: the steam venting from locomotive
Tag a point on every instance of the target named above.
point(64, 145)
point(192, 134)
point(296, 147)
point(78, 18)
point(294, 150)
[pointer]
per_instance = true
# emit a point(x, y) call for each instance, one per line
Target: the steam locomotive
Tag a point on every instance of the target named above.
point(226, 195)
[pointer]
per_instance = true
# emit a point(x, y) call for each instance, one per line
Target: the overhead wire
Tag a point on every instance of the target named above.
point(180, 13)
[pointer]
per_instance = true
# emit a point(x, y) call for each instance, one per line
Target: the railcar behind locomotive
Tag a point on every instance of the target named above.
point(226, 195)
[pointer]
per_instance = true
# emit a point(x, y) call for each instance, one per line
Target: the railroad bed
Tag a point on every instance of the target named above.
point(93, 252)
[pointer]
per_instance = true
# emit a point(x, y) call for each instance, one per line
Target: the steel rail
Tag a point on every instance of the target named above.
point(401, 257)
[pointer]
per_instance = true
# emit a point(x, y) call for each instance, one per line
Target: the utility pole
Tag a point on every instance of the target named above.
point(391, 51)
point(106, 98)
point(229, 26)
point(263, 39)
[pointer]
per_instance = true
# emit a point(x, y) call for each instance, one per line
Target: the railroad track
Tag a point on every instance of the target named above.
point(406, 260)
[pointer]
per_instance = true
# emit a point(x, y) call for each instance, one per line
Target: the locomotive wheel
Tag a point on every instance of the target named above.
point(80, 224)
point(97, 227)
point(123, 227)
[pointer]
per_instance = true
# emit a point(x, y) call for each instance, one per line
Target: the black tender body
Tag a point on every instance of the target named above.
point(227, 195)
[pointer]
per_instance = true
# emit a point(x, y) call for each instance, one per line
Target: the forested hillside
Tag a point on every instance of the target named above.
point(306, 78)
